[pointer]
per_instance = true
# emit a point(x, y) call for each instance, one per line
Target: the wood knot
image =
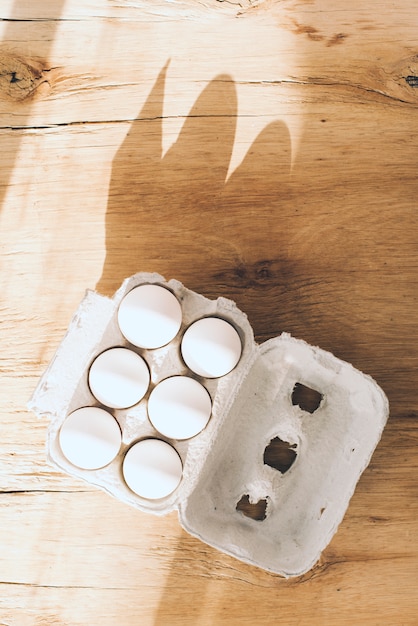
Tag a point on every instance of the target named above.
point(400, 79)
point(262, 274)
point(19, 79)
point(412, 81)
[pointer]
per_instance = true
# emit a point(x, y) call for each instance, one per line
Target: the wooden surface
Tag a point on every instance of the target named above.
point(265, 152)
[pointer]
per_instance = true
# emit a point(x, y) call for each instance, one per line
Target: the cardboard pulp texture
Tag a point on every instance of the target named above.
point(251, 407)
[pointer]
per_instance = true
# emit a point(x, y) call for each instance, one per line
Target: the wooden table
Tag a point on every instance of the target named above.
point(266, 152)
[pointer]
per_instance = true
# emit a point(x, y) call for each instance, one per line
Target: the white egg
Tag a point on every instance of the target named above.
point(152, 469)
point(211, 347)
point(119, 378)
point(90, 438)
point(179, 407)
point(149, 316)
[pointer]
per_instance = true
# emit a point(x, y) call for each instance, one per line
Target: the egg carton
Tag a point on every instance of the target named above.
point(233, 494)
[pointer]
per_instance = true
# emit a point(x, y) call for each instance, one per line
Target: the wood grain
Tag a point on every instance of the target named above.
point(266, 152)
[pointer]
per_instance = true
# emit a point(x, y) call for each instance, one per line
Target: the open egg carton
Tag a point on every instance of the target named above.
point(162, 398)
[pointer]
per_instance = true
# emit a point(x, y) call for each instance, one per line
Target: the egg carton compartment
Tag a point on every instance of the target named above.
point(94, 329)
point(268, 480)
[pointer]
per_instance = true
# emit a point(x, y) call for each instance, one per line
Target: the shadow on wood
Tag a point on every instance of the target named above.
point(210, 226)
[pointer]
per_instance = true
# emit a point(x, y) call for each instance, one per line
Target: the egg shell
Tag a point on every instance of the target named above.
point(179, 407)
point(211, 347)
point(118, 378)
point(90, 438)
point(152, 469)
point(149, 316)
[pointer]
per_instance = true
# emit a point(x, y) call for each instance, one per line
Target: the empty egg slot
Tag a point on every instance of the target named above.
point(306, 398)
point(254, 510)
point(280, 455)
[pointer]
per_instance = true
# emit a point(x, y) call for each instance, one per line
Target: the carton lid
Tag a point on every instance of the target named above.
point(299, 504)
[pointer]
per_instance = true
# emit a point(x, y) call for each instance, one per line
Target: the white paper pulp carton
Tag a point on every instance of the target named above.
point(229, 467)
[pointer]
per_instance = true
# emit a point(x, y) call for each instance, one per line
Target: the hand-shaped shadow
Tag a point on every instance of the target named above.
point(178, 215)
